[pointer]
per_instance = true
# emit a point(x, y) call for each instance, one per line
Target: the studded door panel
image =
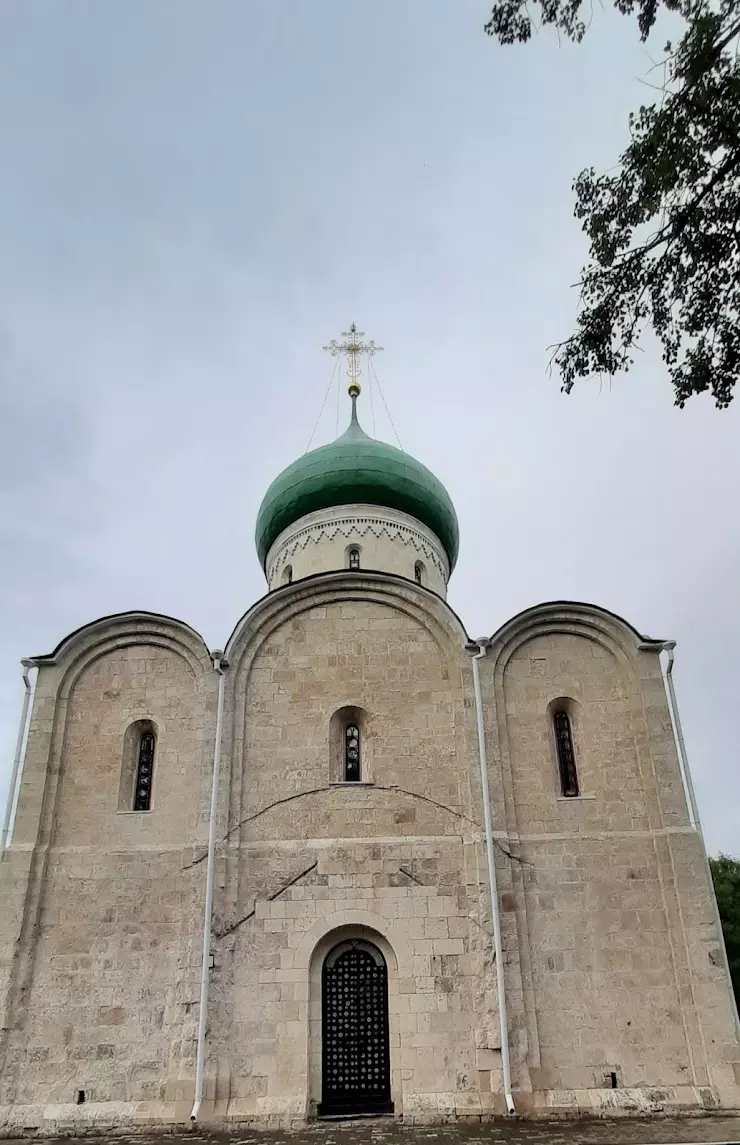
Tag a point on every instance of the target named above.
point(356, 1060)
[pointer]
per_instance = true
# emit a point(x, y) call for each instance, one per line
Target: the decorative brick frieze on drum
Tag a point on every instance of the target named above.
point(388, 541)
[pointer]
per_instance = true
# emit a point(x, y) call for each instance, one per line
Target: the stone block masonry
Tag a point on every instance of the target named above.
point(616, 999)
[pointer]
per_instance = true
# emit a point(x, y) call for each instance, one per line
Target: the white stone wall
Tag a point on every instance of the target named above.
point(274, 996)
point(388, 541)
point(100, 949)
point(620, 960)
point(611, 957)
point(385, 858)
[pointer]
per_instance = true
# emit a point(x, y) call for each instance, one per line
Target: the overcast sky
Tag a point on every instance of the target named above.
point(195, 197)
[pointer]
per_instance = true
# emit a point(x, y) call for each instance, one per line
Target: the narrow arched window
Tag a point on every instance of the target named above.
point(137, 766)
point(353, 558)
point(287, 577)
point(351, 752)
point(350, 747)
point(144, 772)
point(565, 753)
point(419, 572)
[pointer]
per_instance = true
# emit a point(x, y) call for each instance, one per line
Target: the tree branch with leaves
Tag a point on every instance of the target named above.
point(664, 227)
point(726, 878)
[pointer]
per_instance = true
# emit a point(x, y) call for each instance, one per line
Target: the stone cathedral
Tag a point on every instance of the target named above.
point(357, 863)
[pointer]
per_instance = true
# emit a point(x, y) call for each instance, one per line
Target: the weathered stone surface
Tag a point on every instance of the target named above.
point(608, 927)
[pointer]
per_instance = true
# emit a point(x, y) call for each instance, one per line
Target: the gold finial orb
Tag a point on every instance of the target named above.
point(353, 389)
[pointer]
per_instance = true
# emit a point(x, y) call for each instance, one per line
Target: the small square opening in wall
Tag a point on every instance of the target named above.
point(611, 1080)
point(80, 1097)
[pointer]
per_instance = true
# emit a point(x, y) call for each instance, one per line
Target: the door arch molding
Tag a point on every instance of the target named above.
point(322, 949)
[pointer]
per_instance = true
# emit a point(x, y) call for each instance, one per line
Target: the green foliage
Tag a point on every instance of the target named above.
point(726, 876)
point(664, 226)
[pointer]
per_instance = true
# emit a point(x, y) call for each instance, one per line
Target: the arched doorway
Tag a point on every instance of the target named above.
point(356, 1072)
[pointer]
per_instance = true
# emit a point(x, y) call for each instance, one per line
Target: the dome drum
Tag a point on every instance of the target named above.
point(383, 539)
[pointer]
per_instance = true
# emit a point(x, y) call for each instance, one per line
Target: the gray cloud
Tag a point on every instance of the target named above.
point(195, 198)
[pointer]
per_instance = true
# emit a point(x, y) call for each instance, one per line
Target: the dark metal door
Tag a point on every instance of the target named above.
point(355, 1050)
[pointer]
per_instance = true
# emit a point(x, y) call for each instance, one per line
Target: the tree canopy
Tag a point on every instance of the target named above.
point(664, 226)
point(726, 877)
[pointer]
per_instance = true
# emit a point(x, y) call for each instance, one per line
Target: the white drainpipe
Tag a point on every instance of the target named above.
point(683, 765)
point(693, 810)
point(482, 646)
point(220, 664)
point(27, 666)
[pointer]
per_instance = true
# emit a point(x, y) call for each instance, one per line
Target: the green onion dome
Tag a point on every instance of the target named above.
point(356, 469)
